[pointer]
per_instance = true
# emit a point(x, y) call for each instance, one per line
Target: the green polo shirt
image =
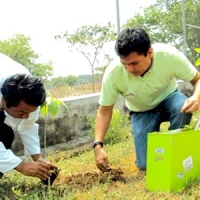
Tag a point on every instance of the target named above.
point(145, 93)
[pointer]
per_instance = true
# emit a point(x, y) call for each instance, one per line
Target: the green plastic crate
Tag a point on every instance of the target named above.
point(173, 160)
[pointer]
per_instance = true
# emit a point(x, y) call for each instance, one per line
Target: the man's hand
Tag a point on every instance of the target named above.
point(102, 161)
point(191, 105)
point(35, 169)
point(42, 160)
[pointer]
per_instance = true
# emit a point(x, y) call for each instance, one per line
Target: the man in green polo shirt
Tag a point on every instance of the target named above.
point(147, 81)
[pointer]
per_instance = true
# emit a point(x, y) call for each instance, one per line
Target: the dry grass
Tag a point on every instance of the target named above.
point(79, 179)
point(126, 182)
point(66, 91)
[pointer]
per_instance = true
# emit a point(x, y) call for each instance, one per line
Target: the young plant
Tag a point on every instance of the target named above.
point(51, 106)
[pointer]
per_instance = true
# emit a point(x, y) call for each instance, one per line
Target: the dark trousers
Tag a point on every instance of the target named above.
point(6, 134)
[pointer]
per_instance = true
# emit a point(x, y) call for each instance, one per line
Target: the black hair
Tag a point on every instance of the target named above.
point(23, 87)
point(132, 40)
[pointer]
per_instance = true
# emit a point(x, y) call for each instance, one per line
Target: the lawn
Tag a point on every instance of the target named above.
point(79, 179)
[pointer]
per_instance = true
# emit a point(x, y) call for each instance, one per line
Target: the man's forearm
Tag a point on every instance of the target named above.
point(197, 90)
point(102, 126)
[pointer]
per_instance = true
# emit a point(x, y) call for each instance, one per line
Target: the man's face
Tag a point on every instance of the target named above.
point(137, 64)
point(21, 111)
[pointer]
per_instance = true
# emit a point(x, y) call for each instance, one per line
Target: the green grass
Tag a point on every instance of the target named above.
point(79, 179)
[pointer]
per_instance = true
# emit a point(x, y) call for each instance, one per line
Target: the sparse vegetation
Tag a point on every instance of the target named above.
point(67, 91)
point(79, 178)
point(119, 122)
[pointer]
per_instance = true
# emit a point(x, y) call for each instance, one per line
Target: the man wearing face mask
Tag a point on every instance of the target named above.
point(147, 79)
point(21, 96)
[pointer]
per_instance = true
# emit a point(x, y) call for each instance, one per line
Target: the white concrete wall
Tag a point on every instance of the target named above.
point(69, 125)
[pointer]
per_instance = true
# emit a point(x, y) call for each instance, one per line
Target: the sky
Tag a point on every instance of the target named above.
point(41, 20)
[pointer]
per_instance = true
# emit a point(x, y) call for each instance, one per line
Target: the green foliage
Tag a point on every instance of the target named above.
point(115, 132)
point(197, 50)
point(198, 60)
point(188, 128)
point(102, 69)
point(89, 41)
point(62, 81)
point(164, 23)
point(68, 82)
point(52, 106)
point(19, 49)
point(42, 70)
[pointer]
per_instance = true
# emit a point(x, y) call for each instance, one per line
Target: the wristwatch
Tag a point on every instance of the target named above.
point(97, 143)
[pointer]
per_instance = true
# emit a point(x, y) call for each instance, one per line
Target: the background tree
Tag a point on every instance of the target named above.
point(163, 21)
point(90, 41)
point(193, 33)
point(42, 70)
point(61, 81)
point(102, 69)
point(19, 49)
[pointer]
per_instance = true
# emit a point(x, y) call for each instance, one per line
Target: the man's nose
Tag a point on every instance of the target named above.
point(25, 116)
point(130, 68)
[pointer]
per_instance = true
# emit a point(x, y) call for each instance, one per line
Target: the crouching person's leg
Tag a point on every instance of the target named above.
point(142, 124)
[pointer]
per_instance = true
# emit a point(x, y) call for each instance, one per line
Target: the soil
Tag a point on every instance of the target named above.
point(84, 181)
point(87, 179)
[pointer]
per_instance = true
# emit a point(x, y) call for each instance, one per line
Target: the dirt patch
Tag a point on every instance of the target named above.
point(88, 179)
point(85, 180)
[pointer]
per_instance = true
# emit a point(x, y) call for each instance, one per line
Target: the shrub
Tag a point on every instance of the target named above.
point(118, 130)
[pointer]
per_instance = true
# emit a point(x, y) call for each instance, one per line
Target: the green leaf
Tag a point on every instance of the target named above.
point(44, 109)
point(60, 102)
point(197, 50)
point(197, 62)
point(54, 107)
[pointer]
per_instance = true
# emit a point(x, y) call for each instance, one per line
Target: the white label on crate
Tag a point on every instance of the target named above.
point(181, 175)
point(188, 163)
point(160, 150)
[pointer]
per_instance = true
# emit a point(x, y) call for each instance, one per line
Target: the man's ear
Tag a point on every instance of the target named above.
point(3, 103)
point(150, 53)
